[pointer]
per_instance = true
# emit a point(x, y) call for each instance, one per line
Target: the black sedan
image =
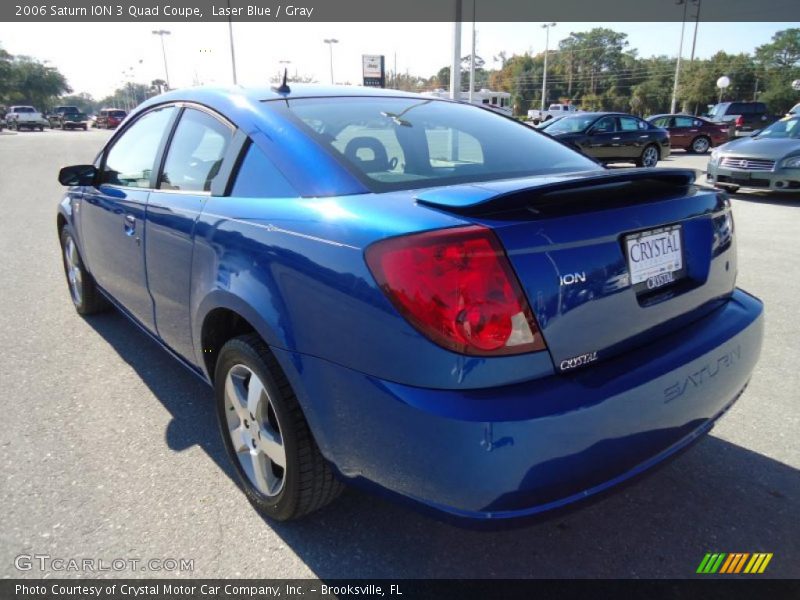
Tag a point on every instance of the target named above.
point(613, 137)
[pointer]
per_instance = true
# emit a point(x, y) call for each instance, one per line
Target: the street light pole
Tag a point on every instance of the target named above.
point(331, 42)
point(546, 27)
point(161, 33)
point(230, 39)
point(678, 63)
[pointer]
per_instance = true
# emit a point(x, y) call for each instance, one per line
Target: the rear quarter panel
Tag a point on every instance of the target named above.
point(295, 269)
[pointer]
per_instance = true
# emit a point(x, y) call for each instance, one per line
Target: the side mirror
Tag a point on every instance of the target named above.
point(77, 175)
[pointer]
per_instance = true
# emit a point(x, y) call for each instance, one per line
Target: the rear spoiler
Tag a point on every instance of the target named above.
point(557, 190)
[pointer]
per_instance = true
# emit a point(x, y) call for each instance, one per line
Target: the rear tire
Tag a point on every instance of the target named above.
point(649, 157)
point(264, 426)
point(86, 298)
point(700, 145)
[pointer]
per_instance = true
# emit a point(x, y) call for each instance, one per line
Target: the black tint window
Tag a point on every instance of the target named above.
point(259, 178)
point(605, 125)
point(130, 161)
point(195, 153)
point(736, 108)
point(630, 124)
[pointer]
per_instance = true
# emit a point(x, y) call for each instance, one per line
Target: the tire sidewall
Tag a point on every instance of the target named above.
point(283, 505)
point(66, 233)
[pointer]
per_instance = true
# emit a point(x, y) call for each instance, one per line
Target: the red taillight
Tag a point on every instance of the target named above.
point(457, 287)
point(739, 121)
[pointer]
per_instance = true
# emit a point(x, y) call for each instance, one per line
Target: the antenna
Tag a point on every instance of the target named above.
point(284, 87)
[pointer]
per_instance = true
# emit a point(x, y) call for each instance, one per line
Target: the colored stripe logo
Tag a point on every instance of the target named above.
point(734, 563)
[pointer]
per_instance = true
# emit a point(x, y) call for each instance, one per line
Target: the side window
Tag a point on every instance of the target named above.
point(684, 122)
point(629, 124)
point(605, 125)
point(698, 123)
point(448, 147)
point(195, 153)
point(259, 178)
point(131, 160)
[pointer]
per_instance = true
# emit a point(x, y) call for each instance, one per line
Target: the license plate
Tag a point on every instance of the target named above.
point(655, 257)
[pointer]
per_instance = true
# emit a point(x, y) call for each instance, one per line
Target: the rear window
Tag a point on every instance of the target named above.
point(24, 109)
point(116, 113)
point(407, 143)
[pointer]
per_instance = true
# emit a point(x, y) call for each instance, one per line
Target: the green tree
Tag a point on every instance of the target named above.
point(33, 82)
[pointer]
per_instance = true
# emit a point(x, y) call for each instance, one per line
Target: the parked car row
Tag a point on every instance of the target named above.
point(24, 117)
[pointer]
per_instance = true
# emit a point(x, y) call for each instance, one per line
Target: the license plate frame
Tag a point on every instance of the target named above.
point(653, 274)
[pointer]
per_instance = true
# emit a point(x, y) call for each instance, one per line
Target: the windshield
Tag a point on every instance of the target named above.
point(572, 124)
point(408, 143)
point(785, 128)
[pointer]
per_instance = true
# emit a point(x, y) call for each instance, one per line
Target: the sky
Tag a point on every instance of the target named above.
point(97, 58)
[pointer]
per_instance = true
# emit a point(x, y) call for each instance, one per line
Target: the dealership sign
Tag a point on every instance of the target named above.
point(373, 70)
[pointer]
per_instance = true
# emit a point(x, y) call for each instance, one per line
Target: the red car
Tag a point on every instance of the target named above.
point(693, 134)
point(109, 118)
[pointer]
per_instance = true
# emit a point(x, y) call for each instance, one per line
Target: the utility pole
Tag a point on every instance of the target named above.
point(230, 39)
point(161, 33)
point(678, 63)
point(546, 27)
point(455, 65)
point(472, 57)
point(697, 3)
point(331, 42)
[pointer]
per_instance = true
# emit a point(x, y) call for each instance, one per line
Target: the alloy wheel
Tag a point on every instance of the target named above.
point(650, 157)
point(700, 145)
point(74, 276)
point(254, 430)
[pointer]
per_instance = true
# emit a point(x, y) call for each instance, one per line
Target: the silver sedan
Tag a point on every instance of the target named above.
point(767, 161)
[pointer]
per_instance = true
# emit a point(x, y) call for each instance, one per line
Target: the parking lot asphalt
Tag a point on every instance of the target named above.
point(110, 449)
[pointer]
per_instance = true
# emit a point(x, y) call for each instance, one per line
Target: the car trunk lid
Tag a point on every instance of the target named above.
point(573, 241)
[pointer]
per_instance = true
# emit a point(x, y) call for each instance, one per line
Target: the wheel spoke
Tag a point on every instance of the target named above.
point(236, 393)
point(255, 391)
point(270, 443)
point(239, 439)
point(263, 477)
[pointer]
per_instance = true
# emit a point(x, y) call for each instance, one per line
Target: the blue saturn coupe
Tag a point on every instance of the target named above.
point(414, 295)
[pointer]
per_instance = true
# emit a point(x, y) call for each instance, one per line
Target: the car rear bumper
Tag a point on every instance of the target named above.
point(524, 449)
point(780, 180)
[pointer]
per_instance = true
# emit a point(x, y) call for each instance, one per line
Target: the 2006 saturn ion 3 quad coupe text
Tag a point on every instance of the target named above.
point(416, 295)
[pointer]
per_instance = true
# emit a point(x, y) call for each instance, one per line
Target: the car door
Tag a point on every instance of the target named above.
point(192, 168)
point(635, 134)
point(112, 213)
point(682, 132)
point(603, 140)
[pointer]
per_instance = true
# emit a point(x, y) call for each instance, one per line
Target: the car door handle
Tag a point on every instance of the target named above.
point(130, 225)
point(615, 138)
point(644, 137)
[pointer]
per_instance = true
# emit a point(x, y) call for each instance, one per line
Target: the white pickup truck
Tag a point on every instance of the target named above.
point(25, 117)
point(554, 110)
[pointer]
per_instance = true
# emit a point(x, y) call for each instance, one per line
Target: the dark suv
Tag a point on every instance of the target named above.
point(745, 117)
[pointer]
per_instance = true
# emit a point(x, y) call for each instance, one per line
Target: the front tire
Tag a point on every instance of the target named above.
point(266, 436)
point(86, 298)
point(649, 157)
